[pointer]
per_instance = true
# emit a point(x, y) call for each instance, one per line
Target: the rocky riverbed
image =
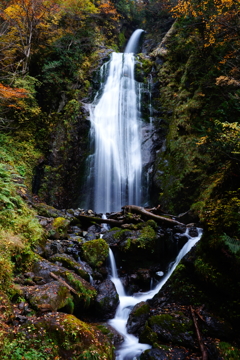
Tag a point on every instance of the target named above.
point(66, 296)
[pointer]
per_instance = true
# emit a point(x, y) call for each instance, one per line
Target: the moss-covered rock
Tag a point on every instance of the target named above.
point(47, 210)
point(175, 328)
point(68, 262)
point(76, 337)
point(59, 228)
point(49, 297)
point(57, 336)
point(85, 293)
point(138, 317)
point(95, 252)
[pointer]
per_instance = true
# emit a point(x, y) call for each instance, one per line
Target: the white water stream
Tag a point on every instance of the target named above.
point(130, 349)
point(116, 168)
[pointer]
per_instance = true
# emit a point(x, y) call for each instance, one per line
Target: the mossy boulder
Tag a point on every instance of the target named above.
point(85, 293)
point(127, 239)
point(59, 228)
point(175, 329)
point(47, 210)
point(69, 263)
point(164, 353)
point(95, 252)
point(138, 317)
point(57, 336)
point(76, 338)
point(49, 297)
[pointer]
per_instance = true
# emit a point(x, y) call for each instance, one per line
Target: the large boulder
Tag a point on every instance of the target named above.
point(138, 317)
point(68, 262)
point(59, 228)
point(49, 297)
point(95, 252)
point(56, 336)
point(165, 328)
point(107, 300)
point(82, 291)
point(160, 354)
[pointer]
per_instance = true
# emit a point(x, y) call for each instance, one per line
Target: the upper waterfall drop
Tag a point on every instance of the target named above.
point(133, 43)
point(116, 169)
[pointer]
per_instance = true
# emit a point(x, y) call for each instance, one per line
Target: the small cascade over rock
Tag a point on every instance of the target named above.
point(131, 348)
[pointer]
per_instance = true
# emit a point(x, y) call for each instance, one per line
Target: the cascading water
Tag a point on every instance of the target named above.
point(115, 126)
point(131, 348)
point(115, 176)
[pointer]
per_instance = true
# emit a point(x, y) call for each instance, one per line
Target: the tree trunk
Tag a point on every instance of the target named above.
point(200, 341)
point(142, 211)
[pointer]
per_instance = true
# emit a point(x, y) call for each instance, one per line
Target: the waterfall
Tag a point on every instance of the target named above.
point(133, 43)
point(116, 168)
point(130, 349)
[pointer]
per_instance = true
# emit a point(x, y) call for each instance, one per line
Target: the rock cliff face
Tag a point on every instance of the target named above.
point(64, 165)
point(60, 176)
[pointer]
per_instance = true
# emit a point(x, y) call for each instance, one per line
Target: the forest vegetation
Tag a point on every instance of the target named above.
point(50, 54)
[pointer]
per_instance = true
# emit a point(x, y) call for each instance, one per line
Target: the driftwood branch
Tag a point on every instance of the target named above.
point(63, 282)
point(158, 218)
point(200, 341)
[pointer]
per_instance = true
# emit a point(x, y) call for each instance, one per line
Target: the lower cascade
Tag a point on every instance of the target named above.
point(131, 349)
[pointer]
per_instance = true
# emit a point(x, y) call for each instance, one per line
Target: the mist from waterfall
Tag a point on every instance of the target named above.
point(115, 175)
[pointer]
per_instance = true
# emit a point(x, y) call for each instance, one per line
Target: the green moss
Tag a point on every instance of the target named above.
point(175, 325)
point(145, 240)
point(143, 67)
point(55, 335)
point(120, 233)
point(69, 263)
point(86, 293)
point(207, 272)
point(148, 336)
point(152, 223)
point(60, 225)
point(70, 305)
point(47, 210)
point(115, 229)
point(95, 252)
point(141, 310)
point(228, 351)
point(19, 228)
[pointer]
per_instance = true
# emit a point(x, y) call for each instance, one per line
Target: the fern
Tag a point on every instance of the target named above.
point(233, 244)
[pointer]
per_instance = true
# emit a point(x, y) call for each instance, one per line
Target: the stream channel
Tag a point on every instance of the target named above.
point(130, 349)
point(115, 175)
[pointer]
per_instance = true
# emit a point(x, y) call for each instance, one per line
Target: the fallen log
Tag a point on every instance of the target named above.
point(158, 218)
point(200, 341)
point(100, 220)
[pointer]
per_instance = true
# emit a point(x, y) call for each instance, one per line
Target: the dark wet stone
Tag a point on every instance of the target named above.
point(107, 300)
point(181, 239)
point(179, 229)
point(48, 297)
point(159, 354)
point(137, 317)
point(154, 354)
point(193, 231)
point(52, 247)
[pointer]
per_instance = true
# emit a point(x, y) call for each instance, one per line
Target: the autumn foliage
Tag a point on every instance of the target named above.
point(216, 19)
